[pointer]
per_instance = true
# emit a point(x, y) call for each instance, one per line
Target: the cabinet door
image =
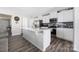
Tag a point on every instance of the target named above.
point(46, 19)
point(40, 37)
point(60, 32)
point(68, 34)
point(60, 17)
point(65, 16)
point(68, 16)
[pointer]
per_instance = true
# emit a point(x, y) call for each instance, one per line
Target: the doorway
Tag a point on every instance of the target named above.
point(5, 31)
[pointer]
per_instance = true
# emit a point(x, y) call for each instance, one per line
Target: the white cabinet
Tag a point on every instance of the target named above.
point(60, 32)
point(65, 16)
point(65, 33)
point(33, 38)
point(60, 17)
point(46, 19)
point(68, 34)
point(41, 39)
point(44, 36)
point(68, 15)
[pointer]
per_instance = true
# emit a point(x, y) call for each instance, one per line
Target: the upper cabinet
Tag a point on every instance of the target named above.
point(65, 16)
point(46, 19)
point(60, 17)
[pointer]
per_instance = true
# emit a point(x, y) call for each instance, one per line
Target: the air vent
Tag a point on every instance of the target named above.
point(71, 8)
point(36, 17)
point(46, 14)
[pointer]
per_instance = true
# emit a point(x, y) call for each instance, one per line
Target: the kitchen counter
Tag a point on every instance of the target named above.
point(39, 37)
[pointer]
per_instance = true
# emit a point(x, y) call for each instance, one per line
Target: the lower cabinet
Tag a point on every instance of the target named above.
point(68, 34)
point(59, 32)
point(65, 33)
point(40, 39)
point(33, 38)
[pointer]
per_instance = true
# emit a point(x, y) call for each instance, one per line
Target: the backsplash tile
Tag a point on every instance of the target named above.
point(65, 25)
point(58, 25)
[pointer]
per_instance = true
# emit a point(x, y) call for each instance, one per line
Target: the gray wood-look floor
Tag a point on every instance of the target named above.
point(3, 41)
point(19, 44)
point(4, 44)
point(60, 45)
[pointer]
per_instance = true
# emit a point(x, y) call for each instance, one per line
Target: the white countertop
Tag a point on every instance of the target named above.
point(38, 30)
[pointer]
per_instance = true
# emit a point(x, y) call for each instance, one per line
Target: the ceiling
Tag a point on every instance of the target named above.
point(27, 11)
point(30, 11)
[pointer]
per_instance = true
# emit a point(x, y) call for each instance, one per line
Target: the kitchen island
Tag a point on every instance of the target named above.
point(41, 38)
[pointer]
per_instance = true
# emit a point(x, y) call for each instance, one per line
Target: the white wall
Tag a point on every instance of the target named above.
point(30, 23)
point(25, 23)
point(76, 29)
point(53, 14)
